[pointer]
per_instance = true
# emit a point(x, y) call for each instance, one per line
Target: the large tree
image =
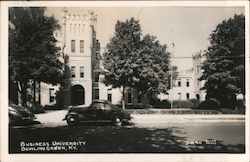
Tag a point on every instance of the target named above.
point(33, 53)
point(134, 61)
point(224, 68)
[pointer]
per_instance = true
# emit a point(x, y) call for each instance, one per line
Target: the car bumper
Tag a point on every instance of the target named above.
point(128, 121)
point(29, 118)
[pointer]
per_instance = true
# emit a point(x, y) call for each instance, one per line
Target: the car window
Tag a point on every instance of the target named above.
point(107, 106)
point(97, 106)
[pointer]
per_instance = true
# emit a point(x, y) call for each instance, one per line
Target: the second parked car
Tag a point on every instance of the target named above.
point(20, 115)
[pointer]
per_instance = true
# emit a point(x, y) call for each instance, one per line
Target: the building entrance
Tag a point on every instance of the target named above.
point(77, 95)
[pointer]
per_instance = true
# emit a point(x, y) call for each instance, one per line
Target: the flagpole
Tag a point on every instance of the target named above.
point(171, 80)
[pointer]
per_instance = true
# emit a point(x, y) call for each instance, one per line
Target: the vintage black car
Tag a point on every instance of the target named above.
point(20, 115)
point(98, 111)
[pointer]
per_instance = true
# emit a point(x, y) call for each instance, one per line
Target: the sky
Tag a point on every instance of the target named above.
point(187, 27)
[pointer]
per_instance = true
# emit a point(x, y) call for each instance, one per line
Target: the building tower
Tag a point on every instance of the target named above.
point(80, 49)
point(197, 62)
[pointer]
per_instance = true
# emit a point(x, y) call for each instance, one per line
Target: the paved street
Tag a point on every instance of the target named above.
point(151, 133)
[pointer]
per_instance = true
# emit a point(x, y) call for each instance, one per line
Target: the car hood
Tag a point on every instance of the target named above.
point(22, 110)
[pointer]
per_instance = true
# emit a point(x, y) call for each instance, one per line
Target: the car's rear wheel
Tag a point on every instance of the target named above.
point(72, 120)
point(117, 121)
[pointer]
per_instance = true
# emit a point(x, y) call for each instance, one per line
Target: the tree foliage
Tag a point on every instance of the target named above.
point(224, 68)
point(134, 61)
point(33, 53)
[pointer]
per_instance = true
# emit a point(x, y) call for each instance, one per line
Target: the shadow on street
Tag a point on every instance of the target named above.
point(24, 123)
point(104, 138)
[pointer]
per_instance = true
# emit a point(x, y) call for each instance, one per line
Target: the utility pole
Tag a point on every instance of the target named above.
point(171, 80)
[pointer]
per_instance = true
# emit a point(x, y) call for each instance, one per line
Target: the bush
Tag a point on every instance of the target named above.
point(134, 106)
point(210, 104)
point(183, 104)
point(37, 108)
point(130, 106)
point(240, 104)
point(54, 107)
point(165, 104)
point(157, 103)
point(195, 101)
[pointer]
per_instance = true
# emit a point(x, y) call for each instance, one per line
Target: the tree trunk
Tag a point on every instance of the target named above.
point(23, 93)
point(34, 91)
point(39, 92)
point(123, 97)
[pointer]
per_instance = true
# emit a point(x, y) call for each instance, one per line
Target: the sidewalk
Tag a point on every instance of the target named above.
point(183, 111)
point(189, 118)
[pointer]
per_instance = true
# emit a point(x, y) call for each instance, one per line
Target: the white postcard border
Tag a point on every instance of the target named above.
point(6, 157)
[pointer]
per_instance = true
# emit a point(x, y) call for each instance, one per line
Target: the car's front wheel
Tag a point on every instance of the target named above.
point(117, 121)
point(72, 120)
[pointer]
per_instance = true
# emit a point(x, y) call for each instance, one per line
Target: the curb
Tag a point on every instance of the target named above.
point(188, 118)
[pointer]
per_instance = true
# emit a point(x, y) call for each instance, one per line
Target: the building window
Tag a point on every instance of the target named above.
point(179, 95)
point(96, 93)
point(139, 97)
point(98, 56)
point(187, 96)
point(179, 83)
point(79, 29)
point(96, 76)
point(93, 42)
point(129, 96)
point(110, 95)
point(198, 97)
point(187, 83)
point(51, 95)
point(81, 72)
point(73, 71)
point(70, 28)
point(73, 46)
point(81, 46)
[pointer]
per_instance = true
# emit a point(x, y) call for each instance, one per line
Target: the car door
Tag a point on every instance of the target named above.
point(107, 112)
point(95, 111)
